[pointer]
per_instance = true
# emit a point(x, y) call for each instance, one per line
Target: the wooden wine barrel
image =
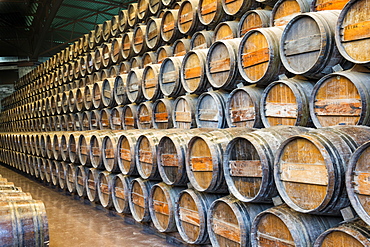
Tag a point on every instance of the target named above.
point(162, 201)
point(155, 6)
point(98, 37)
point(136, 62)
point(94, 147)
point(243, 107)
point(150, 87)
point(129, 117)
point(351, 32)
point(149, 58)
point(119, 90)
point(316, 58)
point(201, 40)
point(169, 4)
point(283, 226)
point(330, 107)
point(221, 66)
point(62, 175)
point(163, 52)
point(184, 112)
point(107, 92)
point(356, 182)
point(105, 116)
point(132, 11)
point(72, 100)
point(253, 19)
point(133, 85)
point(106, 55)
point(79, 99)
point(80, 181)
point(193, 76)
point(127, 47)
point(145, 115)
point(248, 166)
point(258, 55)
point(11, 196)
point(169, 77)
point(191, 215)
point(285, 10)
point(95, 118)
point(49, 145)
point(126, 151)
point(153, 33)
point(210, 110)
point(181, 47)
point(162, 114)
point(188, 21)
point(71, 177)
point(229, 221)
point(143, 10)
point(104, 187)
point(86, 120)
point(171, 156)
point(322, 172)
point(204, 159)
point(24, 223)
point(106, 33)
point(354, 233)
point(116, 118)
point(91, 186)
point(211, 13)
point(286, 102)
point(139, 199)
point(239, 7)
point(122, 20)
point(121, 193)
point(88, 97)
point(319, 5)
point(109, 151)
point(98, 58)
point(226, 30)
point(139, 42)
point(169, 26)
point(116, 50)
point(114, 30)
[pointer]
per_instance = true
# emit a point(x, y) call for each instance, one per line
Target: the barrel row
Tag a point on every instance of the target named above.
point(310, 68)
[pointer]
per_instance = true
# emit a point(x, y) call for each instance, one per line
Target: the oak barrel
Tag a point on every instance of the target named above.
point(169, 77)
point(319, 5)
point(162, 113)
point(226, 30)
point(201, 40)
point(285, 10)
point(181, 47)
point(151, 89)
point(163, 52)
point(145, 115)
point(80, 181)
point(116, 118)
point(134, 85)
point(153, 37)
point(129, 117)
point(188, 21)
point(253, 19)
point(210, 12)
point(71, 177)
point(139, 199)
point(139, 41)
point(91, 184)
point(121, 193)
point(119, 90)
point(110, 152)
point(169, 26)
point(104, 187)
point(184, 110)
point(210, 110)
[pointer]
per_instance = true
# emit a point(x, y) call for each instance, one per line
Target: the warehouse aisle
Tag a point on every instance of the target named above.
point(75, 224)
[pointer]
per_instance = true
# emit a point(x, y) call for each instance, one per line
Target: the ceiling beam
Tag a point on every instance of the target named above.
point(57, 48)
point(79, 7)
point(109, 3)
point(71, 19)
point(50, 10)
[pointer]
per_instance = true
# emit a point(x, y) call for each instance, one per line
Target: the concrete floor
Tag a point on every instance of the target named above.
point(74, 223)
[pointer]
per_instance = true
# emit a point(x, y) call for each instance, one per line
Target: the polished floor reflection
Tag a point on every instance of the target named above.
point(74, 223)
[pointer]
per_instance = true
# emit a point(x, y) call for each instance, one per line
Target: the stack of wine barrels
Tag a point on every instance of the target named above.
point(234, 123)
point(23, 220)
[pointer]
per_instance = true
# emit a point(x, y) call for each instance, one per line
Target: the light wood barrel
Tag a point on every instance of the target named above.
point(351, 34)
point(71, 177)
point(133, 85)
point(106, 55)
point(81, 181)
point(210, 13)
point(105, 117)
point(341, 98)
point(116, 118)
point(322, 172)
point(286, 10)
point(114, 31)
point(155, 6)
point(80, 104)
point(95, 120)
point(98, 37)
point(184, 110)
point(151, 89)
point(119, 90)
point(226, 30)
point(116, 50)
point(15, 196)
point(253, 19)
point(169, 28)
point(145, 115)
point(162, 114)
point(97, 93)
point(24, 223)
point(229, 221)
point(62, 175)
point(105, 189)
point(201, 40)
point(191, 215)
point(127, 45)
point(143, 10)
point(162, 201)
point(320, 5)
point(210, 110)
point(132, 11)
point(121, 193)
point(139, 199)
point(136, 62)
point(193, 71)
point(94, 147)
point(72, 147)
point(356, 182)
point(204, 159)
point(315, 58)
point(188, 21)
point(221, 66)
point(163, 52)
point(126, 152)
point(181, 47)
point(282, 225)
point(123, 21)
point(139, 45)
point(129, 117)
point(354, 233)
point(92, 182)
point(286, 102)
point(238, 8)
point(258, 55)
point(249, 159)
point(243, 107)
point(88, 97)
point(153, 33)
point(169, 77)
point(107, 93)
point(149, 58)
point(110, 152)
